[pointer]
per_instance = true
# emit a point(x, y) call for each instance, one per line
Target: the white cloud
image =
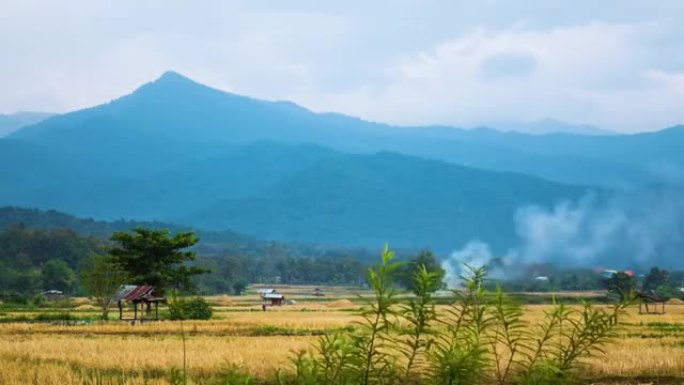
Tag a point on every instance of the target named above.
point(597, 72)
point(408, 62)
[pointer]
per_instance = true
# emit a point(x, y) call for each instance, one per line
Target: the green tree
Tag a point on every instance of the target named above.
point(101, 276)
point(621, 284)
point(155, 257)
point(239, 287)
point(657, 280)
point(57, 276)
point(407, 273)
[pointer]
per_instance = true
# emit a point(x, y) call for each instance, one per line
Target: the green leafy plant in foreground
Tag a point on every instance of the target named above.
point(420, 315)
point(482, 338)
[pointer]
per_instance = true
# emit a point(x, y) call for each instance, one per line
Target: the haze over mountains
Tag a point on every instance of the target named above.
point(180, 151)
point(12, 122)
point(548, 126)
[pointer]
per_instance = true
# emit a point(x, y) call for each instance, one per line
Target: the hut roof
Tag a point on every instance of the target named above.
point(651, 295)
point(266, 291)
point(273, 296)
point(136, 293)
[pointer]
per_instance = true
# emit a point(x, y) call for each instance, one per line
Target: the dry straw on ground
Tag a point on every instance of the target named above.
point(85, 308)
point(341, 304)
point(651, 346)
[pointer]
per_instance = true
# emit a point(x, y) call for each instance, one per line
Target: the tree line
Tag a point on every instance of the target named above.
point(664, 283)
point(35, 260)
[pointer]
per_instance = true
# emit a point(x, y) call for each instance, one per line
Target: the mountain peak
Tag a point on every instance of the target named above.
point(171, 82)
point(172, 75)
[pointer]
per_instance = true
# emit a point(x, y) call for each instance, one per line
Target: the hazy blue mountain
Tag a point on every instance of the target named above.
point(178, 120)
point(386, 197)
point(548, 126)
point(178, 109)
point(177, 150)
point(653, 157)
point(12, 122)
point(302, 193)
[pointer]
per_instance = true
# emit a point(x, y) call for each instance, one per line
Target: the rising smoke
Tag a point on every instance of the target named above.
point(474, 254)
point(624, 230)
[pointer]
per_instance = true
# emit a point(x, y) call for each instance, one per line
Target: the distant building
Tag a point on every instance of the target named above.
point(318, 292)
point(142, 295)
point(608, 273)
point(541, 278)
point(273, 299)
point(53, 295)
point(263, 292)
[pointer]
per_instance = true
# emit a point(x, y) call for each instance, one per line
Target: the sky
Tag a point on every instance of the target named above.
point(615, 64)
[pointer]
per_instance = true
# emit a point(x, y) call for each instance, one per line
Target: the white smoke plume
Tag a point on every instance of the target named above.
point(474, 254)
point(634, 230)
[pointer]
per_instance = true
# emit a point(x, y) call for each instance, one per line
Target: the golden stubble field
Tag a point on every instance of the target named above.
point(650, 349)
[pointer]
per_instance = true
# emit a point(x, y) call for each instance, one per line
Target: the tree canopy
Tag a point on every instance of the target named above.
point(58, 276)
point(157, 258)
point(621, 284)
point(658, 280)
point(425, 259)
point(102, 276)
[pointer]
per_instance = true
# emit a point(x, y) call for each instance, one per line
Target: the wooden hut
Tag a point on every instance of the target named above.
point(142, 296)
point(262, 292)
point(650, 297)
point(274, 299)
point(318, 292)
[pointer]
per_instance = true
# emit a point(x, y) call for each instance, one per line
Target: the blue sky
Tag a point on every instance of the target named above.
point(614, 64)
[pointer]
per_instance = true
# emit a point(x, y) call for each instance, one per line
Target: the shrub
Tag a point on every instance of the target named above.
point(38, 300)
point(194, 308)
point(55, 317)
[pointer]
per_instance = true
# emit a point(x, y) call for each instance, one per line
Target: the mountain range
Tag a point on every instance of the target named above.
point(180, 151)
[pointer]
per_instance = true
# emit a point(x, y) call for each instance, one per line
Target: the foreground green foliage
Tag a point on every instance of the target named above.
point(481, 339)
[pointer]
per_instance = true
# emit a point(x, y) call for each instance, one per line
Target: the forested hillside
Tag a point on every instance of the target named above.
point(45, 250)
point(32, 261)
point(266, 189)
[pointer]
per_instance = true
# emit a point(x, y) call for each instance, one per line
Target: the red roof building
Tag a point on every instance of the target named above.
point(143, 295)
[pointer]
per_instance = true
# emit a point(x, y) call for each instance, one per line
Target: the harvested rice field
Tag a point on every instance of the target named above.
point(650, 349)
